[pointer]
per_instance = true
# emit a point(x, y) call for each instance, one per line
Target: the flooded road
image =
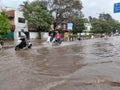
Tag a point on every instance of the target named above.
point(81, 65)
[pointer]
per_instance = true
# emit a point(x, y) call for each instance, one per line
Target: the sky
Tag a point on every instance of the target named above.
point(90, 7)
point(95, 7)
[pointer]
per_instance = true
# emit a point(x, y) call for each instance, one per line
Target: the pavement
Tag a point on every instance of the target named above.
point(8, 44)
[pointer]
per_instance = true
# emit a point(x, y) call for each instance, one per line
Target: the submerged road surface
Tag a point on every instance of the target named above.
point(81, 65)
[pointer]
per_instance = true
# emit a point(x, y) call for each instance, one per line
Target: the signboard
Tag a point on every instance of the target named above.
point(69, 26)
point(116, 7)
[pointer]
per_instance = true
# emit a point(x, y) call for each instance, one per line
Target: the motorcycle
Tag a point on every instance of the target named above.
point(23, 43)
point(56, 41)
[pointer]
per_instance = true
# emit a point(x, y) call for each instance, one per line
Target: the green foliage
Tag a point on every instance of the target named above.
point(106, 17)
point(4, 24)
point(73, 36)
point(96, 28)
point(105, 24)
point(78, 25)
point(65, 9)
point(37, 15)
point(85, 36)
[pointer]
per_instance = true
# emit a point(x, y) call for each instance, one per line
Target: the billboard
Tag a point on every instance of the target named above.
point(69, 26)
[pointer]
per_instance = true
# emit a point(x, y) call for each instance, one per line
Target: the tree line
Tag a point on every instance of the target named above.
point(104, 24)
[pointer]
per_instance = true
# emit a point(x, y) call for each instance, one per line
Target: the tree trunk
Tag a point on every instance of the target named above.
point(39, 33)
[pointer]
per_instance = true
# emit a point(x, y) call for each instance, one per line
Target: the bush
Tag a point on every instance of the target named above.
point(73, 36)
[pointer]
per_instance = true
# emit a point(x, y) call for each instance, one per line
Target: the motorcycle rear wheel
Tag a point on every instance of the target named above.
point(17, 48)
point(30, 46)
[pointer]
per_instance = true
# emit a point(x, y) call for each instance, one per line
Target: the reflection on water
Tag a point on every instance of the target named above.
point(86, 65)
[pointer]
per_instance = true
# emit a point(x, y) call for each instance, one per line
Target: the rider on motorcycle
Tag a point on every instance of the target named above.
point(58, 37)
point(23, 38)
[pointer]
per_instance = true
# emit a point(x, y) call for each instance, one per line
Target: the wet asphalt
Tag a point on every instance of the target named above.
point(92, 64)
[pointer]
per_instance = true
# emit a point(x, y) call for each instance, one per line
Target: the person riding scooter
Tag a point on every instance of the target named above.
point(23, 38)
point(24, 42)
point(57, 39)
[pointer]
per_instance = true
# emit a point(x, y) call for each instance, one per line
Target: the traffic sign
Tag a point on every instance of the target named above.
point(116, 7)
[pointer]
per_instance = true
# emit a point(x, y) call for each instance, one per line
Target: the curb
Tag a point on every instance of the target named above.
point(8, 46)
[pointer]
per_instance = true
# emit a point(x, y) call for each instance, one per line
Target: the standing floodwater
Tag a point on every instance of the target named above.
point(81, 65)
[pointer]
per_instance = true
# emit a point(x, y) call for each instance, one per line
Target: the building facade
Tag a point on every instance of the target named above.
point(17, 23)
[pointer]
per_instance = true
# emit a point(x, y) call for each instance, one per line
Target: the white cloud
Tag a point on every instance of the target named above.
point(94, 7)
point(12, 3)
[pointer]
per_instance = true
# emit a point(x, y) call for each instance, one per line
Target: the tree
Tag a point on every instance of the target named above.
point(37, 15)
point(96, 28)
point(106, 17)
point(65, 9)
point(4, 24)
point(79, 24)
point(104, 24)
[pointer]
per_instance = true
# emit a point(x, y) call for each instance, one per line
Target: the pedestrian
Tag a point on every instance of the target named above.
point(79, 36)
point(65, 36)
